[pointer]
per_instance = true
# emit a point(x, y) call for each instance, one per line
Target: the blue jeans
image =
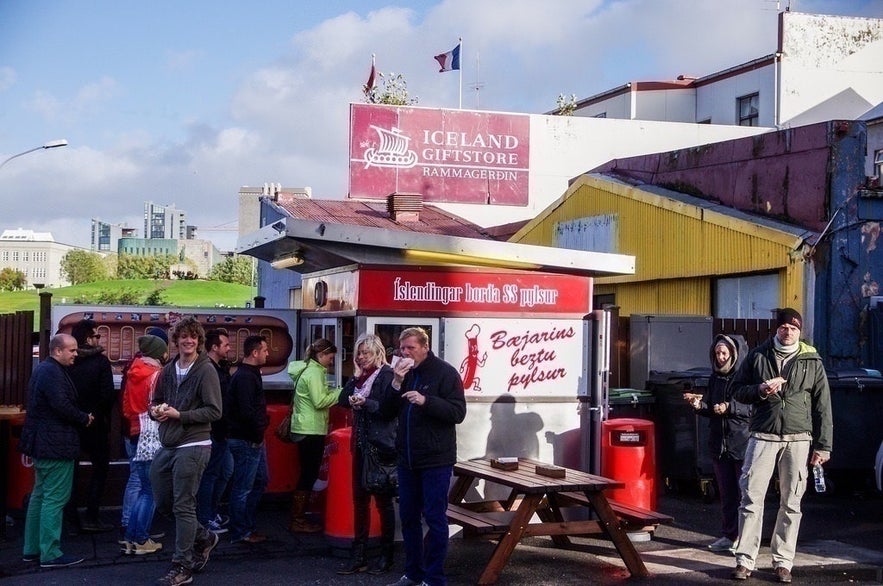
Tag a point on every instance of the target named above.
point(214, 481)
point(247, 485)
point(425, 491)
point(133, 486)
point(141, 515)
point(174, 475)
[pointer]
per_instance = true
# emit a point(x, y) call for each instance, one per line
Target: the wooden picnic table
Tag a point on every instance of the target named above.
point(544, 496)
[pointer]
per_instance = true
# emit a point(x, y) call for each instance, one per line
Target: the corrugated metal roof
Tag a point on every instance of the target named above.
point(374, 214)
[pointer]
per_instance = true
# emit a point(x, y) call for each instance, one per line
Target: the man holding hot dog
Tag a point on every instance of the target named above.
point(427, 394)
point(186, 401)
point(785, 381)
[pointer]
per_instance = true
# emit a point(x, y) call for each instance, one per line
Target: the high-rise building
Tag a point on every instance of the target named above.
point(106, 236)
point(164, 221)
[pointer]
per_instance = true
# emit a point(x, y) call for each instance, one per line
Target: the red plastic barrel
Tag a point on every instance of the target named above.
point(339, 495)
point(628, 454)
point(19, 472)
point(283, 461)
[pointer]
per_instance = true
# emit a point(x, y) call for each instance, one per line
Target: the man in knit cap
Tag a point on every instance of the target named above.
point(784, 380)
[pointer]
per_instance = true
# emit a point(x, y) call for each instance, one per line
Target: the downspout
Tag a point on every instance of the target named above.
point(777, 60)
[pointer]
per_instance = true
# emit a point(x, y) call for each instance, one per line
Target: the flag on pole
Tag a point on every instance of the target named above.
point(369, 85)
point(449, 61)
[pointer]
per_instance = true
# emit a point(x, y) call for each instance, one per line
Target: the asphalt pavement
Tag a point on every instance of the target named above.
point(841, 542)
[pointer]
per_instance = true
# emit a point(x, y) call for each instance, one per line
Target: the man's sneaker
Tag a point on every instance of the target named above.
point(202, 549)
point(177, 575)
point(251, 538)
point(126, 547)
point(406, 581)
point(222, 520)
point(215, 527)
point(783, 575)
point(62, 561)
point(30, 558)
point(741, 573)
point(149, 546)
point(722, 544)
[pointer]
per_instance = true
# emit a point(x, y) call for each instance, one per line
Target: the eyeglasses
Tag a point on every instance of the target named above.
point(96, 336)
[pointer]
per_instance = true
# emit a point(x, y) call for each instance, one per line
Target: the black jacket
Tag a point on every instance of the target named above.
point(219, 427)
point(802, 406)
point(53, 420)
point(427, 435)
point(728, 432)
point(245, 407)
point(370, 424)
point(93, 376)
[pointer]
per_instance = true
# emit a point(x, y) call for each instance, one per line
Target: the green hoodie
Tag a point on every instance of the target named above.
point(312, 397)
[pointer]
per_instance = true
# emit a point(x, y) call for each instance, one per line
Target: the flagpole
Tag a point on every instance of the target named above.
point(461, 72)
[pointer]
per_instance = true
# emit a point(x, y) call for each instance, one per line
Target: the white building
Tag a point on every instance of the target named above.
point(825, 67)
point(36, 254)
point(106, 236)
point(164, 221)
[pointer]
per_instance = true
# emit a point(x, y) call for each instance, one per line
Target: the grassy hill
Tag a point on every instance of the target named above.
point(174, 293)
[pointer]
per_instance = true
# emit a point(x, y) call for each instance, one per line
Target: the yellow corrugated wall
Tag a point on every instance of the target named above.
point(679, 248)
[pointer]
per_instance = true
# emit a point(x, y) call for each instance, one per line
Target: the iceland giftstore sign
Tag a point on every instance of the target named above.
point(450, 156)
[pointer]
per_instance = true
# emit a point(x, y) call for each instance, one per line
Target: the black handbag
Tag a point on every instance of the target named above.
point(379, 473)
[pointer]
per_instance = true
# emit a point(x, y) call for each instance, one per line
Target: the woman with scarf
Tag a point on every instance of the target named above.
point(728, 430)
point(371, 430)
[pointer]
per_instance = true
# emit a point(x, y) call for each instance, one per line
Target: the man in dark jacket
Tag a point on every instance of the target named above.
point(784, 380)
point(245, 413)
point(50, 436)
point(186, 400)
point(93, 376)
point(427, 392)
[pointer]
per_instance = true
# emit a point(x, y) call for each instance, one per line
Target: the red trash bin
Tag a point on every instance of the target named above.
point(283, 460)
point(339, 529)
point(628, 454)
point(19, 471)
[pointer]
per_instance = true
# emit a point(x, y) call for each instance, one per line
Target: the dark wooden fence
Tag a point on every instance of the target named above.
point(16, 356)
point(754, 331)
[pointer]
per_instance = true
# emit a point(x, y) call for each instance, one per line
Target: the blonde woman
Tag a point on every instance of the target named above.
point(312, 400)
point(371, 430)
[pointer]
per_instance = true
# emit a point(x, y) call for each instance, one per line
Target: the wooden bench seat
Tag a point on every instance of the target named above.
point(632, 517)
point(480, 522)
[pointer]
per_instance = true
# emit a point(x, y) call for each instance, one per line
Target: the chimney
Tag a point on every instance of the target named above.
point(404, 207)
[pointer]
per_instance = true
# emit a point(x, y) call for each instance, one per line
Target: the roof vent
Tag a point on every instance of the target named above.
point(404, 207)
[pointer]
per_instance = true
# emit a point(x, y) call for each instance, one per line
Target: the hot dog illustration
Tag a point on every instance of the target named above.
point(470, 365)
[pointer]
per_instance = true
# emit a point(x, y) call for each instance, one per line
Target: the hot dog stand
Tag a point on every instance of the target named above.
point(516, 320)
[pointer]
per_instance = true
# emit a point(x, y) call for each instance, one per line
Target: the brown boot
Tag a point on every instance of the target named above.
point(299, 522)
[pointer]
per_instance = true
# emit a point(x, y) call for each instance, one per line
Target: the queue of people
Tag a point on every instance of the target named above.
point(769, 411)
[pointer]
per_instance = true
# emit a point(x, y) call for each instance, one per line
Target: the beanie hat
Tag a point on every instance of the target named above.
point(158, 332)
point(789, 316)
point(152, 347)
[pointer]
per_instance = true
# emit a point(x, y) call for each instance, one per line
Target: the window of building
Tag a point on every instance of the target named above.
point(747, 110)
point(5, 256)
point(601, 115)
point(26, 256)
point(878, 163)
point(14, 256)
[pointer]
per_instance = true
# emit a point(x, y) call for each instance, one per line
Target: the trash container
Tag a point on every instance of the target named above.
point(283, 460)
point(19, 471)
point(630, 403)
point(682, 436)
point(628, 454)
point(857, 409)
point(339, 529)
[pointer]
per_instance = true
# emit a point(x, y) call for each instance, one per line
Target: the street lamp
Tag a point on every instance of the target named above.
point(52, 144)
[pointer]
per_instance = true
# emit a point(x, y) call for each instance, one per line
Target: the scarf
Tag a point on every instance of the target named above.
point(365, 381)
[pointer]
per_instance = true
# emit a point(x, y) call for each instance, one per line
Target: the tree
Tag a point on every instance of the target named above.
point(12, 279)
point(145, 267)
point(566, 105)
point(234, 269)
point(82, 266)
point(392, 90)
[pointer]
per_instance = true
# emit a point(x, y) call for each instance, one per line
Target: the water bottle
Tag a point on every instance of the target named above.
point(818, 474)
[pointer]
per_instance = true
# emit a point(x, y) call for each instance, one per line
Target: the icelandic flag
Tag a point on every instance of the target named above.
point(449, 61)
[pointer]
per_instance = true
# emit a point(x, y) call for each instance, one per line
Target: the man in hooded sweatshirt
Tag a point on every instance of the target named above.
point(785, 382)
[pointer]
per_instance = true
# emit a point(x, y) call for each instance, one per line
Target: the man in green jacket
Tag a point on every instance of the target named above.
point(785, 381)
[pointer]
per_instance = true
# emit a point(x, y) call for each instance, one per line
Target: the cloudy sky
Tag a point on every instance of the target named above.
point(184, 102)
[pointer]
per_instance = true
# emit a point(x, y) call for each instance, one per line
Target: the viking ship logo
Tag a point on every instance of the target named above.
point(392, 151)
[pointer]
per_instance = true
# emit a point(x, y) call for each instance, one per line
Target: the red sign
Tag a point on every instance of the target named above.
point(456, 292)
point(449, 156)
